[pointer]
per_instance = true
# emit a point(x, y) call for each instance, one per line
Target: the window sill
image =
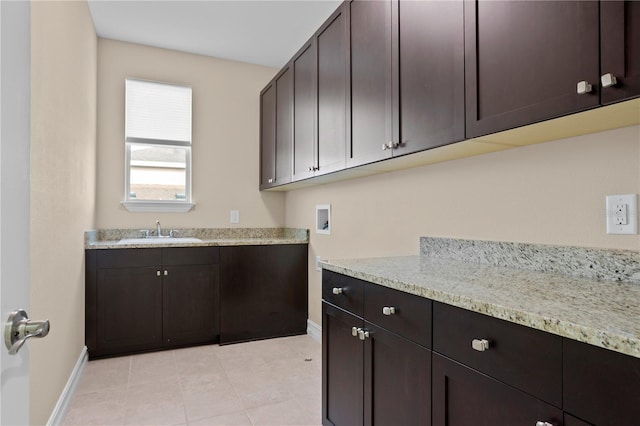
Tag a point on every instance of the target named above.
point(158, 206)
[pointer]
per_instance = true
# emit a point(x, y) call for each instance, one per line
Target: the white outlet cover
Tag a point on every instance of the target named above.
point(631, 203)
point(235, 216)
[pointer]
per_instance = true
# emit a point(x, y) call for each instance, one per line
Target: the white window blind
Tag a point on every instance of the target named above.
point(157, 113)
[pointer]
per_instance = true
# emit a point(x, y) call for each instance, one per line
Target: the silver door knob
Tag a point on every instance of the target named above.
point(583, 88)
point(388, 310)
point(539, 423)
point(19, 328)
point(337, 290)
point(608, 80)
point(480, 344)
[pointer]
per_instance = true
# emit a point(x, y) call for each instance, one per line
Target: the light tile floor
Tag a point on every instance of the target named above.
point(267, 382)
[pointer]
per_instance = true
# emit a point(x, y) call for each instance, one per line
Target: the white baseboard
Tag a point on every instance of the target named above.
point(61, 408)
point(314, 330)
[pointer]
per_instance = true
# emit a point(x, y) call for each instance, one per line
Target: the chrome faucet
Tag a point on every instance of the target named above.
point(158, 228)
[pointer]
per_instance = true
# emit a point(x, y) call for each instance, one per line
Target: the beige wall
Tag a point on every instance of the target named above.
point(552, 193)
point(225, 137)
point(63, 149)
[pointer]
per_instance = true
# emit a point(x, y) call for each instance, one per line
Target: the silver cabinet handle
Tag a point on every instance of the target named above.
point(19, 328)
point(337, 290)
point(313, 168)
point(541, 423)
point(354, 331)
point(363, 334)
point(166, 272)
point(270, 180)
point(388, 310)
point(386, 146)
point(583, 87)
point(158, 273)
point(608, 80)
point(480, 344)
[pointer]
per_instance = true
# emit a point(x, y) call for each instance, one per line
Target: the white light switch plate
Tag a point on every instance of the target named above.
point(622, 214)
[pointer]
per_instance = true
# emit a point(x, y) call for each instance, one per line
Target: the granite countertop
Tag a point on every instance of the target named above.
point(112, 238)
point(601, 313)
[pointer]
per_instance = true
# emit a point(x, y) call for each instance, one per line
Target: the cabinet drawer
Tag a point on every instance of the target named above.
point(601, 386)
point(190, 256)
point(405, 314)
point(129, 258)
point(350, 291)
point(528, 359)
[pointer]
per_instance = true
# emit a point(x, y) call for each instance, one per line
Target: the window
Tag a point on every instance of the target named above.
point(158, 146)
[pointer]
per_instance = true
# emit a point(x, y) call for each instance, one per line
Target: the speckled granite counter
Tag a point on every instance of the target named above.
point(112, 238)
point(598, 312)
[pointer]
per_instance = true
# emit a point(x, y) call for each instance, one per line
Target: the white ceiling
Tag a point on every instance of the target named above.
point(263, 32)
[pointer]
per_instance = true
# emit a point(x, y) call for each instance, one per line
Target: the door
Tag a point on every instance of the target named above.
point(342, 368)
point(332, 43)
point(462, 396)
point(268, 136)
point(190, 311)
point(15, 28)
point(431, 75)
point(397, 380)
point(374, 80)
point(304, 111)
point(524, 61)
point(620, 49)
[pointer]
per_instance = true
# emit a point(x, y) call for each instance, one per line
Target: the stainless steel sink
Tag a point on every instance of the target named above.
point(156, 240)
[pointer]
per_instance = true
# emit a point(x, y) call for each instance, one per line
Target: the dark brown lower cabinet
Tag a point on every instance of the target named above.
point(190, 304)
point(397, 380)
point(263, 291)
point(342, 368)
point(129, 312)
point(463, 397)
point(141, 300)
point(370, 375)
point(569, 420)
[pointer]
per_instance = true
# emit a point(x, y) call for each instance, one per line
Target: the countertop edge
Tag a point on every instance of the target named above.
point(601, 338)
point(105, 245)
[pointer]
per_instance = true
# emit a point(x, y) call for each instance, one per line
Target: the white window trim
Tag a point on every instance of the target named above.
point(157, 206)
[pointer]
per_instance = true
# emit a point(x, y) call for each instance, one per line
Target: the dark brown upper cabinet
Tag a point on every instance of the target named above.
point(268, 136)
point(431, 75)
point(619, 50)
point(407, 77)
point(276, 130)
point(529, 61)
point(333, 125)
point(305, 97)
point(374, 80)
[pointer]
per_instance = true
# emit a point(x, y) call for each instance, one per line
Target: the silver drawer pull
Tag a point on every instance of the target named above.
point(354, 331)
point(480, 344)
point(540, 423)
point(583, 88)
point(608, 80)
point(388, 310)
point(337, 290)
point(363, 334)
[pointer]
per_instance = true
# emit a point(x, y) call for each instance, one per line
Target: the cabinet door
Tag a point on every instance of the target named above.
point(268, 136)
point(397, 380)
point(304, 111)
point(374, 80)
point(129, 310)
point(190, 304)
point(599, 385)
point(342, 368)
point(284, 126)
point(263, 291)
point(431, 74)
point(524, 59)
point(462, 397)
point(332, 43)
point(620, 48)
